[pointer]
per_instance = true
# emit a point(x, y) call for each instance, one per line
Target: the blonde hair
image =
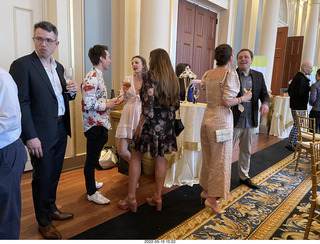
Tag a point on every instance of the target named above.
point(167, 86)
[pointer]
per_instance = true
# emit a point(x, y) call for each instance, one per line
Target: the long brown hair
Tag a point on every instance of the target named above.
point(167, 84)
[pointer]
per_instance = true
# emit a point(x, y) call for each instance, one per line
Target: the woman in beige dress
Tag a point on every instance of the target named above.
point(221, 86)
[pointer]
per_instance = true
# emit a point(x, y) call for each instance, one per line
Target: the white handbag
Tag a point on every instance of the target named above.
point(224, 135)
point(108, 158)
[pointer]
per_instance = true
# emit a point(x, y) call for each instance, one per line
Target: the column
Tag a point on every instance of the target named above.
point(250, 24)
point(125, 38)
point(292, 10)
point(131, 32)
point(297, 18)
point(268, 35)
point(317, 61)
point(155, 26)
point(303, 17)
point(311, 30)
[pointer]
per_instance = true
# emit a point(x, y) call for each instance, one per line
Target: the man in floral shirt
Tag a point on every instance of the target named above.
point(95, 118)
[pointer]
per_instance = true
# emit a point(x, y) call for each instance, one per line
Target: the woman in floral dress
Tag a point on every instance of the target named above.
point(155, 133)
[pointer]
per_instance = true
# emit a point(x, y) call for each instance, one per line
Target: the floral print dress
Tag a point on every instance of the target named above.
point(158, 135)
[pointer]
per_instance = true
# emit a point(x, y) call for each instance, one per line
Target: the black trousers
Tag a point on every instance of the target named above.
point(46, 175)
point(316, 115)
point(12, 162)
point(97, 137)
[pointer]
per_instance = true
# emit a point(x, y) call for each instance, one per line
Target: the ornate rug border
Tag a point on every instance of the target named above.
point(187, 227)
point(266, 230)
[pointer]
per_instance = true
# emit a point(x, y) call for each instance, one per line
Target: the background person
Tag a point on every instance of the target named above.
point(45, 121)
point(13, 158)
point(314, 101)
point(155, 133)
point(179, 69)
point(221, 86)
point(95, 117)
point(246, 122)
point(298, 91)
point(132, 109)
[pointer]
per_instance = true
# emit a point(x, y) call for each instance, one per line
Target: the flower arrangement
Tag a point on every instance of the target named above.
point(188, 74)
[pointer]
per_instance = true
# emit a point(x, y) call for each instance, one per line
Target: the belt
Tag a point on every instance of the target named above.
point(60, 117)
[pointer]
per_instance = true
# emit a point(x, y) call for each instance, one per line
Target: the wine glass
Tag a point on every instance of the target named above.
point(196, 94)
point(126, 84)
point(69, 75)
point(248, 88)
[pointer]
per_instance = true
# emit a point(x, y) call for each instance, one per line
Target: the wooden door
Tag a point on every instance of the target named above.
point(211, 25)
point(279, 57)
point(204, 41)
point(293, 58)
point(196, 38)
point(185, 33)
point(16, 26)
point(18, 18)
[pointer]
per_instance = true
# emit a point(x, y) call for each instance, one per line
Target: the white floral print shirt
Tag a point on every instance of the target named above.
point(94, 99)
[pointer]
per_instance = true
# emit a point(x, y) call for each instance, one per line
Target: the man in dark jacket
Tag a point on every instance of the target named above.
point(44, 102)
point(299, 96)
point(246, 121)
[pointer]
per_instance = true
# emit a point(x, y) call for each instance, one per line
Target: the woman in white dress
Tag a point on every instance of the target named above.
point(132, 109)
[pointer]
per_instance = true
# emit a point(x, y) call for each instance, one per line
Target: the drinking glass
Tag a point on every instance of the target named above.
point(69, 75)
point(248, 88)
point(126, 84)
point(196, 94)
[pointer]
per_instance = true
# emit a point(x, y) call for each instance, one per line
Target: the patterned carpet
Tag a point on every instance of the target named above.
point(294, 226)
point(254, 214)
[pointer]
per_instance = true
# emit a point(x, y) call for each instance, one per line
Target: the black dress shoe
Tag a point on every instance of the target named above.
point(58, 215)
point(248, 182)
point(49, 232)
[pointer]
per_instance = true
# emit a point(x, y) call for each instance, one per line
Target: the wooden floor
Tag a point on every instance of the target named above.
point(71, 197)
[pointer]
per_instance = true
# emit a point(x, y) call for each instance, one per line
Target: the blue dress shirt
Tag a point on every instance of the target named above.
point(10, 114)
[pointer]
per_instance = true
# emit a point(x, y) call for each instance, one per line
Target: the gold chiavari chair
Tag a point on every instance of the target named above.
point(314, 199)
point(306, 135)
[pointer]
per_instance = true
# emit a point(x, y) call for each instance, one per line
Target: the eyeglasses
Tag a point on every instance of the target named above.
point(47, 40)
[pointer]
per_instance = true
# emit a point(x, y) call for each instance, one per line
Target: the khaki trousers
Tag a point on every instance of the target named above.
point(245, 136)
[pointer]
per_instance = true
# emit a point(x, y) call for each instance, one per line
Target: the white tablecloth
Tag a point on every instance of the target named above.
point(281, 121)
point(187, 166)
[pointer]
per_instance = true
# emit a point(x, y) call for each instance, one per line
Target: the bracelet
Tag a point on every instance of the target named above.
point(240, 99)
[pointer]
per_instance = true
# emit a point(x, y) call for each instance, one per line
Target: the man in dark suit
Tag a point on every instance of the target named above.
point(246, 121)
point(44, 102)
point(298, 91)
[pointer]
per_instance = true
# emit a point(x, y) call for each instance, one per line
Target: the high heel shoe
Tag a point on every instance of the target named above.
point(204, 196)
point(214, 209)
point(157, 203)
point(128, 203)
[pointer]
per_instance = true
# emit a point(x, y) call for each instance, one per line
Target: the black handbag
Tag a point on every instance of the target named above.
point(178, 126)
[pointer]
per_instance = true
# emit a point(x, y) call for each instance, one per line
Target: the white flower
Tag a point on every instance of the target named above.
point(188, 74)
point(150, 92)
point(157, 128)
